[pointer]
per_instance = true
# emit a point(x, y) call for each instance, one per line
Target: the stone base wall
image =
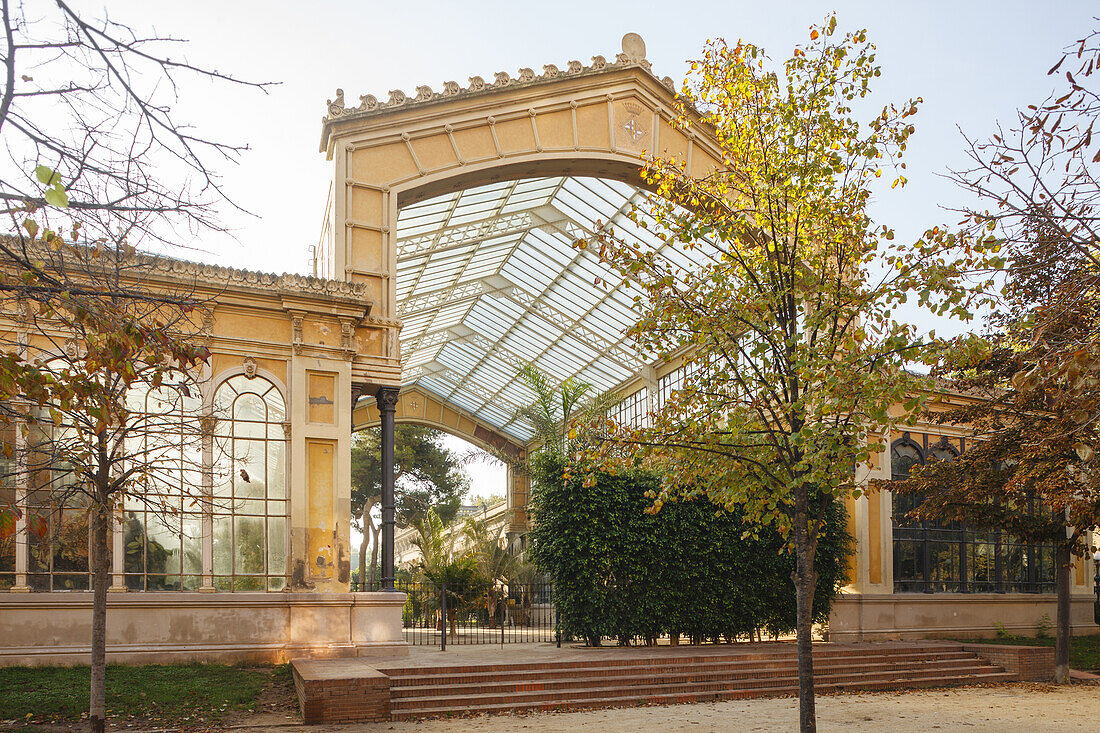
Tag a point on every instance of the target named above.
point(345, 691)
point(858, 617)
point(1028, 663)
point(55, 628)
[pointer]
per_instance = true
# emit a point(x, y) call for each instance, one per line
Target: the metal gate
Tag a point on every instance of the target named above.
point(477, 614)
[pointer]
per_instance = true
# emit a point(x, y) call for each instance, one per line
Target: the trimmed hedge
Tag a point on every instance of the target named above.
point(623, 574)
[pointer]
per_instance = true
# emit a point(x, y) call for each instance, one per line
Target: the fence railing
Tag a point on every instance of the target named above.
point(501, 613)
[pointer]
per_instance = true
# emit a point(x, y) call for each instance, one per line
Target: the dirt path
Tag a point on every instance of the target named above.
point(1017, 708)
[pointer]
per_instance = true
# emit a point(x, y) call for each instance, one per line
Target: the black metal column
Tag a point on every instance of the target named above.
point(387, 405)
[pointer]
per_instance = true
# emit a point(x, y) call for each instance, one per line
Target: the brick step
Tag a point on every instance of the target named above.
point(706, 696)
point(703, 673)
point(445, 700)
point(399, 674)
point(491, 673)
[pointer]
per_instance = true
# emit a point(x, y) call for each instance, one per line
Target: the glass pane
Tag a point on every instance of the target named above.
point(248, 506)
point(249, 407)
point(162, 547)
point(38, 554)
point(7, 544)
point(276, 469)
point(276, 413)
point(160, 582)
point(276, 545)
point(222, 472)
point(223, 545)
point(133, 543)
point(192, 544)
point(70, 551)
point(70, 582)
point(250, 478)
point(249, 429)
point(249, 545)
point(248, 584)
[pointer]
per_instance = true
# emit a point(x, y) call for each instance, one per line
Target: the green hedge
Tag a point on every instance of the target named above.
point(623, 574)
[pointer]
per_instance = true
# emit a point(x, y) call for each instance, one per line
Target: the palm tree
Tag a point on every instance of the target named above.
point(555, 407)
point(493, 561)
point(456, 577)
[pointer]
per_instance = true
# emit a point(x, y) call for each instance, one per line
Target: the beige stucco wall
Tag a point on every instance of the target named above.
point(55, 628)
point(858, 617)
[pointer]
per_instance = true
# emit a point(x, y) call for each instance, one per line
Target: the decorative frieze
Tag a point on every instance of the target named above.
point(633, 54)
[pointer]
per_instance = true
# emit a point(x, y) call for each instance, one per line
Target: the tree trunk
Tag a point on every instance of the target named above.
point(367, 525)
point(374, 551)
point(1062, 559)
point(805, 581)
point(101, 561)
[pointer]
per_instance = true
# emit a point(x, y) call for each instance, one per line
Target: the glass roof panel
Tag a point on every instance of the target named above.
point(488, 279)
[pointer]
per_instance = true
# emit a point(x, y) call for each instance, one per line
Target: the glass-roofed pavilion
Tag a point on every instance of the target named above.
point(447, 261)
point(460, 209)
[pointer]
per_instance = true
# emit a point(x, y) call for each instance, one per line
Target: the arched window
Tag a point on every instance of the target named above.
point(931, 557)
point(249, 498)
point(908, 534)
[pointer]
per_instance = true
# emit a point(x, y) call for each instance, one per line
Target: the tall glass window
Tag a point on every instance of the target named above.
point(162, 515)
point(58, 558)
point(7, 499)
point(931, 557)
point(249, 501)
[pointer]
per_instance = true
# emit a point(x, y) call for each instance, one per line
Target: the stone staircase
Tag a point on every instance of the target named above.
point(677, 676)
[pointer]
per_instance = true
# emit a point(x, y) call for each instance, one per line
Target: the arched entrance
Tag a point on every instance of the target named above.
point(424, 153)
point(600, 120)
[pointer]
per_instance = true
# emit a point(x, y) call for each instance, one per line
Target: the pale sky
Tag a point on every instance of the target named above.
point(973, 62)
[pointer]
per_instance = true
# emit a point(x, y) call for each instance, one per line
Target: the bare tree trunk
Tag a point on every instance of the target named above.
point(374, 531)
point(100, 565)
point(367, 525)
point(1063, 632)
point(805, 581)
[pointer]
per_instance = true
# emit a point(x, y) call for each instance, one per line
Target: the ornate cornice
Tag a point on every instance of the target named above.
point(286, 282)
point(633, 55)
point(143, 265)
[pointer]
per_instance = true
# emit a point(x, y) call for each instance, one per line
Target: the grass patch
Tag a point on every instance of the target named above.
point(153, 691)
point(1084, 651)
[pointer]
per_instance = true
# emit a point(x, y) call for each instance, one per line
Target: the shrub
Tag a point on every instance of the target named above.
point(622, 573)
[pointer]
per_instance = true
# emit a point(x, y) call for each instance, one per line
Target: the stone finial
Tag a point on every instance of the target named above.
point(424, 93)
point(336, 106)
point(368, 103)
point(526, 74)
point(397, 97)
point(633, 48)
point(550, 71)
point(575, 67)
point(450, 88)
point(599, 62)
point(668, 82)
point(502, 79)
point(476, 83)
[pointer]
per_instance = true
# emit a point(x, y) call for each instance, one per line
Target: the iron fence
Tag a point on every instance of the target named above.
point(477, 613)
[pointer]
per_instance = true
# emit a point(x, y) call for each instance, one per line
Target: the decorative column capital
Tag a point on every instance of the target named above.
point(387, 398)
